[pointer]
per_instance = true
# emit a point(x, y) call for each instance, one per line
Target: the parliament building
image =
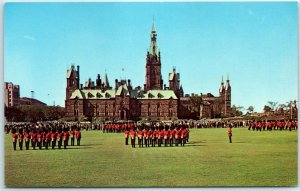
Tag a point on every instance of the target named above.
point(155, 101)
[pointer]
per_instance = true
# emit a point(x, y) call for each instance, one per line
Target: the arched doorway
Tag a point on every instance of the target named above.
point(122, 115)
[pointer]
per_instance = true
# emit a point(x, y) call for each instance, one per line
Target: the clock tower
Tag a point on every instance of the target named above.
point(153, 65)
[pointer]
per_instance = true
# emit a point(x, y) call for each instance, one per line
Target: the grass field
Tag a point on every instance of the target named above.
point(253, 159)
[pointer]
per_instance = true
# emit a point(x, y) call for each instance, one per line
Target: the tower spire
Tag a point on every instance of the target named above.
point(227, 76)
point(222, 81)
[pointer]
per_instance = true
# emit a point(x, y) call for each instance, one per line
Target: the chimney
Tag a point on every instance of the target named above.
point(81, 85)
point(145, 87)
point(164, 86)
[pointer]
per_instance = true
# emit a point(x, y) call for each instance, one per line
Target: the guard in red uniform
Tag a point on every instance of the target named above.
point(27, 138)
point(140, 137)
point(126, 133)
point(177, 136)
point(72, 135)
point(21, 136)
point(47, 138)
point(132, 136)
point(146, 136)
point(53, 138)
point(78, 136)
point(172, 136)
point(14, 138)
point(160, 136)
point(39, 138)
point(65, 137)
point(166, 136)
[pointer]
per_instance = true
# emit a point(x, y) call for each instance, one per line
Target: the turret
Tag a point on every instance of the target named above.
point(72, 81)
point(222, 89)
point(227, 97)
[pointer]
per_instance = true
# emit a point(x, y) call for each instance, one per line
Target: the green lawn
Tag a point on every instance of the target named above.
point(253, 159)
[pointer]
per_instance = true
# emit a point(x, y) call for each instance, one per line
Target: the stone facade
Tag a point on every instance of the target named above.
point(11, 94)
point(155, 101)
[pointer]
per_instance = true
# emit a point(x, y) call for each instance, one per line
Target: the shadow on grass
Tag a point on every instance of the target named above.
point(195, 145)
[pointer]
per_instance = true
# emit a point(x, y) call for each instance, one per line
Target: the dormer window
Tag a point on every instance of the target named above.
point(159, 95)
point(107, 95)
point(98, 95)
point(150, 95)
point(90, 95)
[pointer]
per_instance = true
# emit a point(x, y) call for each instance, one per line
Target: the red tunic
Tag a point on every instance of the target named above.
point(78, 135)
point(59, 136)
point(132, 134)
point(14, 137)
point(65, 136)
point(166, 134)
point(126, 132)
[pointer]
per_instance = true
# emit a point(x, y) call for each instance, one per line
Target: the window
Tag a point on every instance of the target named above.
point(149, 113)
point(106, 111)
point(158, 109)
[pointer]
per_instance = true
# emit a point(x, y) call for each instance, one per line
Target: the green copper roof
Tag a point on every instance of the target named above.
point(93, 94)
point(123, 88)
point(157, 94)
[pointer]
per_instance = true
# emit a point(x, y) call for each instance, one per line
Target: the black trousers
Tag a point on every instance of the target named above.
point(183, 141)
point(133, 143)
point(146, 141)
point(65, 144)
point(46, 144)
point(126, 141)
point(15, 145)
point(72, 141)
point(171, 142)
point(140, 142)
point(78, 141)
point(159, 142)
point(153, 142)
point(166, 142)
point(33, 144)
point(230, 139)
point(176, 142)
point(27, 145)
point(59, 144)
point(21, 144)
point(40, 144)
point(53, 144)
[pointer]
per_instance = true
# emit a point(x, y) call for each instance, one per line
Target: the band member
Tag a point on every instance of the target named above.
point(183, 136)
point(65, 137)
point(14, 138)
point(21, 136)
point(132, 136)
point(59, 138)
point(27, 139)
point(126, 133)
point(78, 136)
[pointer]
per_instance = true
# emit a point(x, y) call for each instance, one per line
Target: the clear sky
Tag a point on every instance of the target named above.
point(255, 43)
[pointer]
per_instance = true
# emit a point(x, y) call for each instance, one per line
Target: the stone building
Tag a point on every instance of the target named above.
point(155, 101)
point(11, 94)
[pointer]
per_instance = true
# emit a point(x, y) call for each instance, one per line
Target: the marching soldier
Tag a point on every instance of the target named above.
point(14, 138)
point(177, 136)
point(47, 138)
point(146, 137)
point(59, 138)
point(172, 135)
point(166, 136)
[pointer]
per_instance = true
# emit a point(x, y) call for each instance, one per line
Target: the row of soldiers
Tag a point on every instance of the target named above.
point(157, 135)
point(40, 136)
point(117, 127)
point(273, 125)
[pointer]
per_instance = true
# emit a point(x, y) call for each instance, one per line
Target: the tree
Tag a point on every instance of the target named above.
point(237, 110)
point(196, 102)
point(250, 109)
point(272, 105)
point(267, 109)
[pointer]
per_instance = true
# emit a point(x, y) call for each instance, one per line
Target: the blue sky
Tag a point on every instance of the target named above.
point(255, 43)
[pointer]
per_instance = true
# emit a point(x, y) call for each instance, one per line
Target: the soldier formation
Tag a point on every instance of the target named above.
point(270, 125)
point(157, 134)
point(40, 136)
